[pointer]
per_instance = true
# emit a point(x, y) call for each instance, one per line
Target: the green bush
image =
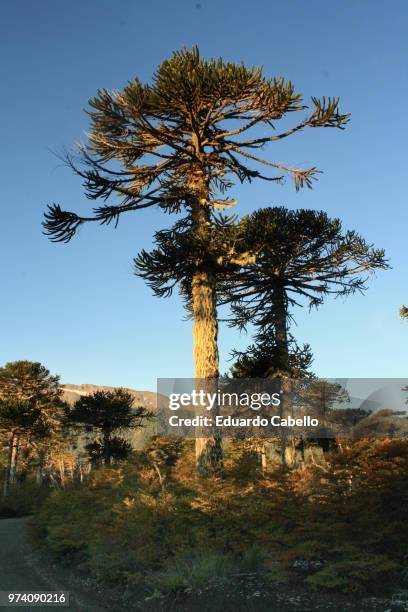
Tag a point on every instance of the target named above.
point(200, 569)
point(358, 573)
point(194, 572)
point(23, 499)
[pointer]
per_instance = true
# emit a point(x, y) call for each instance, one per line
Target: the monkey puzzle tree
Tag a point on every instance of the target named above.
point(301, 256)
point(30, 409)
point(404, 312)
point(109, 413)
point(179, 143)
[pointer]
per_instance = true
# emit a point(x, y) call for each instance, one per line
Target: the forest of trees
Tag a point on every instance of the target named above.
point(171, 516)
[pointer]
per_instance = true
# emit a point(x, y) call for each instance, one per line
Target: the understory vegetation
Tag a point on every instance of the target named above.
point(337, 526)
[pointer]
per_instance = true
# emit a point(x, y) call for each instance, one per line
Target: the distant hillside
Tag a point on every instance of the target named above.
point(147, 399)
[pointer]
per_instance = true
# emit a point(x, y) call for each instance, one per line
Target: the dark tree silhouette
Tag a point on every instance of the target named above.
point(300, 257)
point(119, 449)
point(179, 144)
point(107, 412)
point(261, 359)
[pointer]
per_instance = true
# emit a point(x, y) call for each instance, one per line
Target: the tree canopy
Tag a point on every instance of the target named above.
point(300, 257)
point(189, 134)
point(306, 252)
point(108, 412)
point(31, 407)
point(29, 383)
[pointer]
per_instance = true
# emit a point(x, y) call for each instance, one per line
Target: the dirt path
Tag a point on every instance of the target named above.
point(21, 570)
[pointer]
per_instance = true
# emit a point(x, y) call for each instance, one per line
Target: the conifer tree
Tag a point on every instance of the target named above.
point(31, 407)
point(300, 257)
point(109, 413)
point(180, 143)
point(280, 259)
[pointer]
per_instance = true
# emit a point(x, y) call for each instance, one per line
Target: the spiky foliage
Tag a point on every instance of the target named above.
point(185, 135)
point(306, 252)
point(300, 257)
point(29, 380)
point(30, 383)
point(107, 413)
point(261, 359)
point(172, 263)
point(404, 312)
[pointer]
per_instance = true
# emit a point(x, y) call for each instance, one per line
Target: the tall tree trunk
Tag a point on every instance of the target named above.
point(209, 454)
point(205, 328)
point(6, 484)
point(281, 327)
point(14, 457)
point(282, 357)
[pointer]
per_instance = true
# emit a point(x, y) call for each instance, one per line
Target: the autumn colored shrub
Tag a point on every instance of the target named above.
point(340, 526)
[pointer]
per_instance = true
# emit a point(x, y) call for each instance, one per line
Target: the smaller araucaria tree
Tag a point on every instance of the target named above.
point(300, 257)
point(107, 413)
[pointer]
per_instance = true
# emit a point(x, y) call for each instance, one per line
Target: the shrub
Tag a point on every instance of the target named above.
point(339, 527)
point(358, 573)
point(193, 572)
point(23, 499)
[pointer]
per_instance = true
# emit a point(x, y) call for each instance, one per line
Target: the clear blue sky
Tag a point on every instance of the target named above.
point(77, 308)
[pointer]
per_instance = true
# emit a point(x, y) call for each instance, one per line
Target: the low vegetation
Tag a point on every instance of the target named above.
point(340, 528)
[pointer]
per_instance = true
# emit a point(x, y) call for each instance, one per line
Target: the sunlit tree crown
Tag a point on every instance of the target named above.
point(189, 135)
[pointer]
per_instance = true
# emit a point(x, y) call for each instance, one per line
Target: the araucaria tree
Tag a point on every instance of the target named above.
point(180, 143)
point(107, 413)
point(31, 407)
point(300, 257)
